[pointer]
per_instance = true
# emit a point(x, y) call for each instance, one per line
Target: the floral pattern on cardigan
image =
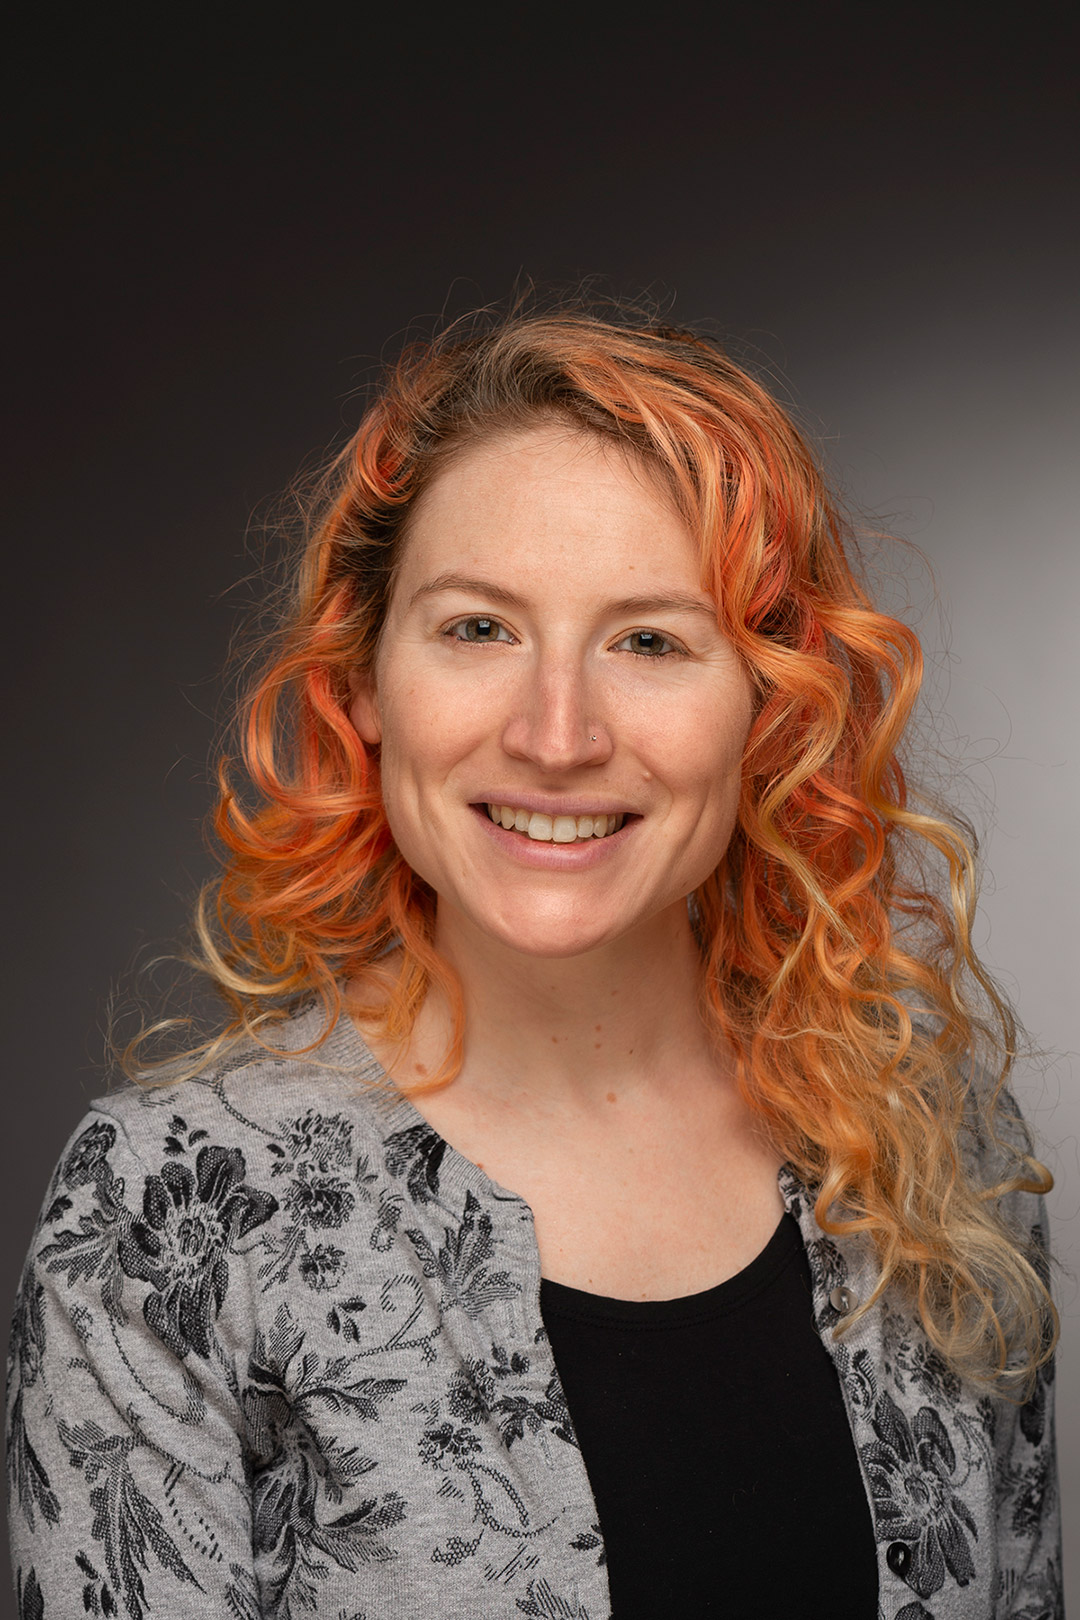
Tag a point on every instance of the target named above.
point(277, 1352)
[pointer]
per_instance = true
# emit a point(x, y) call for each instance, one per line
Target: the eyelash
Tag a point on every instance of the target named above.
point(451, 633)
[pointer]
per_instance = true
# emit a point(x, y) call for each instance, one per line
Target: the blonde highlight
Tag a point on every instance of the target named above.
point(845, 982)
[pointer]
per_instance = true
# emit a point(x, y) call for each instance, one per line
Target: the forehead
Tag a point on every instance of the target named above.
point(549, 494)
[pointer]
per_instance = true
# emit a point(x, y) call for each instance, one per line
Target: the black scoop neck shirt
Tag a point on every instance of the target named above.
point(717, 1444)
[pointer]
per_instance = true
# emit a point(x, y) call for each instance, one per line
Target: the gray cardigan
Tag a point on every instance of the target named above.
point(278, 1352)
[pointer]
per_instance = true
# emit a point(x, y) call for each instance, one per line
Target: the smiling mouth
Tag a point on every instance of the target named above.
point(554, 829)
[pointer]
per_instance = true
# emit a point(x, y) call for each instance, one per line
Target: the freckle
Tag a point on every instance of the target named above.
point(596, 1046)
point(554, 1040)
point(598, 1028)
point(420, 1068)
point(611, 1096)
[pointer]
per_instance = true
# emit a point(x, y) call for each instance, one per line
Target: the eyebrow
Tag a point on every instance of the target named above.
point(677, 602)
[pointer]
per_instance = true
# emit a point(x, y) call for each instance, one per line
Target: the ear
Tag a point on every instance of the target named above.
point(364, 708)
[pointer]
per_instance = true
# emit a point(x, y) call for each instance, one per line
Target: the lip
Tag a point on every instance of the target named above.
point(554, 857)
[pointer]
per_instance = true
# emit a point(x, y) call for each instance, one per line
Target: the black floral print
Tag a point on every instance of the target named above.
point(438, 1446)
point(30, 1481)
point(321, 1267)
point(416, 1154)
point(277, 1355)
point(1048, 1605)
point(97, 1596)
point(1032, 1489)
point(317, 1155)
point(461, 1265)
point(291, 1404)
point(545, 1604)
point(387, 1221)
point(591, 1540)
point(87, 1250)
point(324, 1202)
point(311, 1149)
point(316, 1143)
point(190, 1221)
point(88, 1157)
point(828, 1271)
point(314, 1156)
point(1033, 1412)
point(911, 1468)
point(129, 1526)
point(922, 1365)
point(477, 1394)
point(28, 1596)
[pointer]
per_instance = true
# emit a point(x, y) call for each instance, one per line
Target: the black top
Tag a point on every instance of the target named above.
point(717, 1443)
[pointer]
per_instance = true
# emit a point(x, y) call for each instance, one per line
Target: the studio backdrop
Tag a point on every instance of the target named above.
point(220, 236)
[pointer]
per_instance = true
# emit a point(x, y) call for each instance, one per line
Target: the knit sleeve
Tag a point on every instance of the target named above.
point(128, 1492)
point(1028, 1495)
point(1027, 1489)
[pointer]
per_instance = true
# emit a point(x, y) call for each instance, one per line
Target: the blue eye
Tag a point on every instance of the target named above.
point(479, 630)
point(649, 644)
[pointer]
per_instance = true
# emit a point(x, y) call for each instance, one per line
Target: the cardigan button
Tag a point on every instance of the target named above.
point(898, 1558)
point(843, 1300)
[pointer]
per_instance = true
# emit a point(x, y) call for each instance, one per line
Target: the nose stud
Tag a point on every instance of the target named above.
point(592, 739)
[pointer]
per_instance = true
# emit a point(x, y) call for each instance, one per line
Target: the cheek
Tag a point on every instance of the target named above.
point(699, 746)
point(711, 791)
point(426, 731)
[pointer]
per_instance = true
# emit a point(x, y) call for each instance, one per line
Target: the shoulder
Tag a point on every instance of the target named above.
point(252, 1096)
point(264, 1137)
point(276, 1163)
point(1001, 1151)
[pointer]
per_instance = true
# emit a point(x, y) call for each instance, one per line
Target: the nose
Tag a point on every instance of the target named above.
point(556, 724)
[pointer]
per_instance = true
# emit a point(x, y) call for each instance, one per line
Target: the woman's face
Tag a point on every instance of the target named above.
point(549, 656)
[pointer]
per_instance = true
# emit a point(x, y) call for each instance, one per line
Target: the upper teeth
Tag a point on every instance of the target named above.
point(554, 829)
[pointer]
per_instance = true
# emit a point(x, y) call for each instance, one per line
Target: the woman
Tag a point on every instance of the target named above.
point(603, 1197)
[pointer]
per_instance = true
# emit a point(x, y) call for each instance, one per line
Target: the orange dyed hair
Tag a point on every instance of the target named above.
point(844, 981)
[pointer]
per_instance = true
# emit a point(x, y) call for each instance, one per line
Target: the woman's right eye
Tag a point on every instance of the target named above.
point(478, 629)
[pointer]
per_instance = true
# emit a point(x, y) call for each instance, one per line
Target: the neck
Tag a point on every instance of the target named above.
point(570, 1030)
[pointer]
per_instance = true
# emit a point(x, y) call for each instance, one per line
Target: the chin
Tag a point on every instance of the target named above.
point(553, 938)
point(554, 947)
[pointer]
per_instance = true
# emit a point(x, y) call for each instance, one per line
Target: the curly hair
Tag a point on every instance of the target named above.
point(835, 934)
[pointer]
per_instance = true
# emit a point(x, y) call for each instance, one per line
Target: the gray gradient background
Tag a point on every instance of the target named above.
point(218, 234)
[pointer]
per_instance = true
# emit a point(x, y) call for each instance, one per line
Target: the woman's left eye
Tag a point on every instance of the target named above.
point(648, 644)
point(478, 630)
